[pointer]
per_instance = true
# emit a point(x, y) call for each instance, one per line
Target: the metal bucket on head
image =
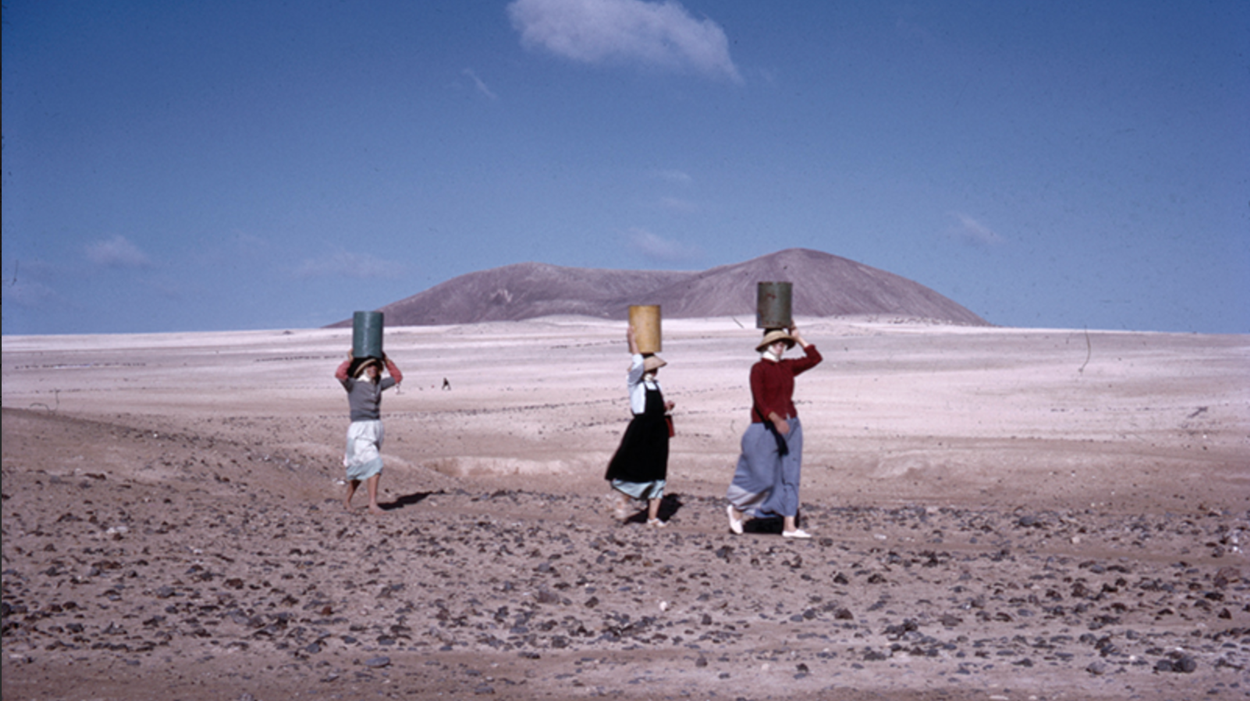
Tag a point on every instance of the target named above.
point(772, 305)
point(367, 334)
point(645, 318)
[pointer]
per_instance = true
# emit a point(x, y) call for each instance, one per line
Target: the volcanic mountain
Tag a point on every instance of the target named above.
point(824, 285)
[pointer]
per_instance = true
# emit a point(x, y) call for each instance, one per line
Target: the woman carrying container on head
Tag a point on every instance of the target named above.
point(639, 469)
point(362, 378)
point(766, 482)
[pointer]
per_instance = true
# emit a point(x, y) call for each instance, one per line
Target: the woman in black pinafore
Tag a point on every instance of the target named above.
point(639, 470)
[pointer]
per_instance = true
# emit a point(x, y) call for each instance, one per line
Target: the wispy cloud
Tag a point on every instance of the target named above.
point(970, 230)
point(348, 264)
point(117, 252)
point(24, 291)
point(660, 249)
point(479, 84)
point(677, 204)
point(34, 284)
point(625, 31)
point(680, 177)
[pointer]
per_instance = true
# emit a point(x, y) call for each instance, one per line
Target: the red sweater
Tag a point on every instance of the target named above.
point(341, 373)
point(772, 384)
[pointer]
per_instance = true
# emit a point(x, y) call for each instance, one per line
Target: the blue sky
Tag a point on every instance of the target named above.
point(174, 166)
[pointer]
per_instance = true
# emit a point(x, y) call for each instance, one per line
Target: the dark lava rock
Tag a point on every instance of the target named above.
point(1184, 664)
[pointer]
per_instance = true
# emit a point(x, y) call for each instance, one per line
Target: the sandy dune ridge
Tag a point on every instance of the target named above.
point(999, 514)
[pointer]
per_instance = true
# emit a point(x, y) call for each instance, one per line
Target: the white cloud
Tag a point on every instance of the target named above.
point(660, 249)
point(972, 231)
point(348, 264)
point(625, 31)
point(477, 83)
point(117, 252)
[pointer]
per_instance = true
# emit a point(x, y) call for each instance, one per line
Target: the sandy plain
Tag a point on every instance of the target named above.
point(999, 514)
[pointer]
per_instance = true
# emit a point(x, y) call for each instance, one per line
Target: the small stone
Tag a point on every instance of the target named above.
point(378, 662)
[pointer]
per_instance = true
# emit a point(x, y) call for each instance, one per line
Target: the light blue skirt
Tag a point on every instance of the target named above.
point(766, 483)
point(640, 490)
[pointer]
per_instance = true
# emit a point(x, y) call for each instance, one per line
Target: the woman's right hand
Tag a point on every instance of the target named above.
point(782, 426)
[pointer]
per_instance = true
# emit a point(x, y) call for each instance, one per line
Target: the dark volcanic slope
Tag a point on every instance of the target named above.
point(824, 285)
point(528, 290)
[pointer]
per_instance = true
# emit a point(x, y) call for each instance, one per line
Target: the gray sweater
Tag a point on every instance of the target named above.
point(365, 397)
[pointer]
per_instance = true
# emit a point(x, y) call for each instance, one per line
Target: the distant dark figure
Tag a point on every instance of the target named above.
point(446, 384)
point(362, 378)
point(639, 470)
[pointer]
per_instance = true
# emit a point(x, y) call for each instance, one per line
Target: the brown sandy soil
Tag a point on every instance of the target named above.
point(1000, 514)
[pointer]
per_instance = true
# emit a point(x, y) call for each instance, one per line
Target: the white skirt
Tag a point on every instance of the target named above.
point(362, 458)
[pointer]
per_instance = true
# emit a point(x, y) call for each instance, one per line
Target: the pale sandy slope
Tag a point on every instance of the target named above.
point(897, 412)
point(1000, 514)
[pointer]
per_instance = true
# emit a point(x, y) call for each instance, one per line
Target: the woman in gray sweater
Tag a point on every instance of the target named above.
point(362, 378)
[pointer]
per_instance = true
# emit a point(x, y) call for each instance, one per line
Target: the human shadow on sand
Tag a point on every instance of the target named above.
point(405, 500)
point(769, 524)
point(669, 506)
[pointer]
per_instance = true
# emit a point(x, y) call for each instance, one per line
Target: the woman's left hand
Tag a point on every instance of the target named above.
point(794, 331)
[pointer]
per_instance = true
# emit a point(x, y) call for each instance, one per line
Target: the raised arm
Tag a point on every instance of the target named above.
point(811, 356)
point(393, 369)
point(341, 373)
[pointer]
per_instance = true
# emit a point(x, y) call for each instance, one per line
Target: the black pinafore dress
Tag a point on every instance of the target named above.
point(643, 453)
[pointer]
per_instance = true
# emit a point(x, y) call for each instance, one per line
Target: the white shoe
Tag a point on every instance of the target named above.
point(797, 533)
point(656, 523)
point(735, 523)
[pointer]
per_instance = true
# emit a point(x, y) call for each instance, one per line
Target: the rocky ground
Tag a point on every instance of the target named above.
point(182, 556)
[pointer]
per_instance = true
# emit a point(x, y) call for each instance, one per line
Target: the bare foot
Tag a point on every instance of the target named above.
point(376, 510)
point(347, 506)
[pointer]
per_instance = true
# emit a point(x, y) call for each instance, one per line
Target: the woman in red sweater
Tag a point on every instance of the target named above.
point(766, 482)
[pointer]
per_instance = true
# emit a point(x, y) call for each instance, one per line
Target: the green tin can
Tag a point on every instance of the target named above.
point(367, 334)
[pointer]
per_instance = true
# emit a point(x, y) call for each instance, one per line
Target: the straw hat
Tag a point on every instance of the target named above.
point(362, 363)
point(771, 336)
point(652, 362)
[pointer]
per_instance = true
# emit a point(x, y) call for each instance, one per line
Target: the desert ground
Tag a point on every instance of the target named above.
point(999, 514)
